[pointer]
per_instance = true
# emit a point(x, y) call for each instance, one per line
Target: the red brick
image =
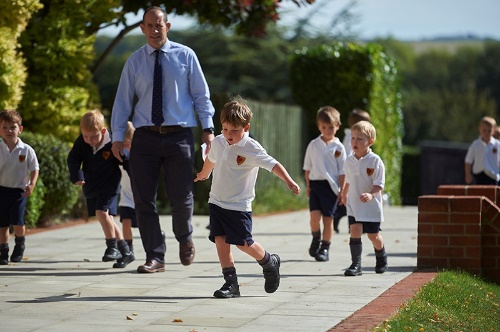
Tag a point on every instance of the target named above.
point(471, 252)
point(465, 240)
point(433, 203)
point(490, 211)
point(454, 252)
point(466, 204)
point(467, 263)
point(433, 217)
point(488, 229)
point(451, 190)
point(424, 251)
point(431, 262)
point(424, 229)
point(448, 229)
point(465, 218)
point(434, 241)
point(488, 191)
point(489, 252)
point(472, 229)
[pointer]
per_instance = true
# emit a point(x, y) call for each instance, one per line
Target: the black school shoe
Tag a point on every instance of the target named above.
point(322, 255)
point(111, 254)
point(4, 257)
point(381, 265)
point(313, 249)
point(272, 274)
point(228, 290)
point(125, 260)
point(353, 270)
point(17, 253)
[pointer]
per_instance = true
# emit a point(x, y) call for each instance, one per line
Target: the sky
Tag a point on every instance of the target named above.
point(404, 20)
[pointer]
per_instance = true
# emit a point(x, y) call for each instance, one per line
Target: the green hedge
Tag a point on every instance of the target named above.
point(348, 76)
point(60, 194)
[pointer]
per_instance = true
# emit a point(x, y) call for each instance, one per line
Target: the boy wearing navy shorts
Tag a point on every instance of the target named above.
point(324, 174)
point(18, 176)
point(92, 165)
point(235, 159)
point(365, 180)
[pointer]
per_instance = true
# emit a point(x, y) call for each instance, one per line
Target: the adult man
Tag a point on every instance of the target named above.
point(165, 77)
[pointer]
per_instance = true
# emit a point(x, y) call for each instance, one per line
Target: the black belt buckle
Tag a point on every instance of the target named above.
point(164, 129)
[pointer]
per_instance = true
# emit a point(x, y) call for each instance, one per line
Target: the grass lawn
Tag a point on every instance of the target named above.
point(453, 301)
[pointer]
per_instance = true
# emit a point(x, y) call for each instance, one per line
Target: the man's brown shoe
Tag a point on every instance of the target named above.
point(151, 266)
point(186, 252)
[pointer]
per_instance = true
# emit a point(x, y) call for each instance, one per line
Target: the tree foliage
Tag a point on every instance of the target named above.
point(13, 20)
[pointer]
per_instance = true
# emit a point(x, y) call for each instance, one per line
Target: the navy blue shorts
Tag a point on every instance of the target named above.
point(235, 225)
point(12, 206)
point(104, 202)
point(322, 198)
point(368, 226)
point(128, 213)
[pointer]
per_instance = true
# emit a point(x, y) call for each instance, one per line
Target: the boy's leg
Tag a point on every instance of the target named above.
point(4, 245)
point(270, 265)
point(127, 232)
point(380, 254)
point(230, 287)
point(356, 247)
point(315, 218)
point(18, 252)
point(322, 254)
point(108, 226)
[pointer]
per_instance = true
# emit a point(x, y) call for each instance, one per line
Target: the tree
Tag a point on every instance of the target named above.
point(13, 20)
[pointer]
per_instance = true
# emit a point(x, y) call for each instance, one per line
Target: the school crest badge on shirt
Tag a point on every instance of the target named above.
point(337, 154)
point(106, 154)
point(22, 158)
point(370, 171)
point(240, 160)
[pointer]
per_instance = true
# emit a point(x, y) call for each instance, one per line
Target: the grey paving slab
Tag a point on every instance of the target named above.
point(62, 285)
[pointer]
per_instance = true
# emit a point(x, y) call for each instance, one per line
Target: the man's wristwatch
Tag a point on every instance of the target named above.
point(210, 130)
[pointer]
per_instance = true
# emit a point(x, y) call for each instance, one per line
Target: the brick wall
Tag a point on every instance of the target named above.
point(460, 228)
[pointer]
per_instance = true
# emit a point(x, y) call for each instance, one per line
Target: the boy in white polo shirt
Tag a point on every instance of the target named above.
point(235, 159)
point(18, 176)
point(324, 174)
point(362, 194)
point(482, 162)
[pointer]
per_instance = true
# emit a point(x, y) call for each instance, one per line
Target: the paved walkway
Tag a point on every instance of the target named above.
point(62, 284)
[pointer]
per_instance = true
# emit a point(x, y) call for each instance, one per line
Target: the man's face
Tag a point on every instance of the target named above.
point(155, 28)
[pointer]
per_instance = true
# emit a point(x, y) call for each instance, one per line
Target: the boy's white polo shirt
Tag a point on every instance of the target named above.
point(235, 172)
point(16, 165)
point(485, 157)
point(325, 161)
point(362, 174)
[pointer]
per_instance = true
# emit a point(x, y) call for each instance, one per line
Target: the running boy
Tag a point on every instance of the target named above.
point(91, 165)
point(365, 179)
point(482, 162)
point(355, 116)
point(235, 159)
point(324, 174)
point(18, 176)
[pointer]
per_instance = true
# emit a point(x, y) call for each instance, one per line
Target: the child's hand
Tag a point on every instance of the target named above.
point(366, 197)
point(80, 183)
point(28, 190)
point(294, 187)
point(200, 177)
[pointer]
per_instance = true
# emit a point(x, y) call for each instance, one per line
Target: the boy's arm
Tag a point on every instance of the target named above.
point(208, 166)
point(29, 188)
point(366, 197)
point(281, 172)
point(306, 177)
point(341, 187)
point(344, 193)
point(468, 174)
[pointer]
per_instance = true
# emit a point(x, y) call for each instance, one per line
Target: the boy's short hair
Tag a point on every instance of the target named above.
point(365, 128)
point(328, 114)
point(236, 112)
point(92, 120)
point(357, 115)
point(129, 132)
point(489, 121)
point(11, 116)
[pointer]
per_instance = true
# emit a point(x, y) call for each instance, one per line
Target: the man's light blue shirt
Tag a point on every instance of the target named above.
point(185, 90)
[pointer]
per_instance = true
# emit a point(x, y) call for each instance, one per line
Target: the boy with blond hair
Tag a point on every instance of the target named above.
point(91, 165)
point(482, 162)
point(235, 159)
point(18, 176)
point(365, 180)
point(355, 116)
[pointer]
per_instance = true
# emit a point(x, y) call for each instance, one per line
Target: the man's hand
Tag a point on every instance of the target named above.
point(207, 138)
point(117, 149)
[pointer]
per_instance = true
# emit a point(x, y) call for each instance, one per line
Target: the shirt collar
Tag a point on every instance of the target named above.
point(106, 139)
point(164, 48)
